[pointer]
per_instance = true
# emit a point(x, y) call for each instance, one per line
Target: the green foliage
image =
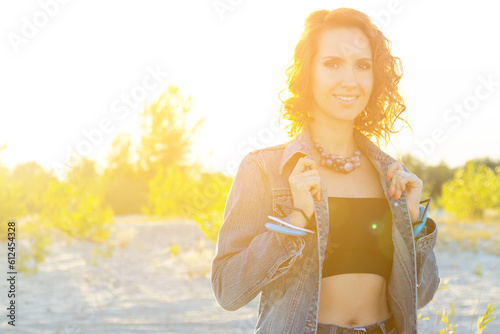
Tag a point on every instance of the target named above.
point(452, 308)
point(177, 189)
point(189, 193)
point(78, 214)
point(473, 189)
point(11, 206)
point(157, 183)
point(72, 206)
point(124, 188)
point(485, 319)
point(171, 192)
point(106, 252)
point(206, 202)
point(443, 285)
point(433, 177)
point(119, 157)
point(166, 137)
point(210, 200)
point(478, 271)
point(175, 249)
point(30, 257)
point(24, 265)
point(446, 315)
point(487, 161)
point(33, 181)
point(84, 177)
point(124, 194)
point(450, 328)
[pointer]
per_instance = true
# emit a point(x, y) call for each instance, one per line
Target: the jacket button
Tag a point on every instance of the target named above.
point(309, 324)
point(323, 242)
point(317, 285)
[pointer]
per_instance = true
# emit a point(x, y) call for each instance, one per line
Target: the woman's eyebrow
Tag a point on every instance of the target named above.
point(341, 59)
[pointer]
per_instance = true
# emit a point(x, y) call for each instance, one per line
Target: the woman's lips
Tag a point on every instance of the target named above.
point(346, 99)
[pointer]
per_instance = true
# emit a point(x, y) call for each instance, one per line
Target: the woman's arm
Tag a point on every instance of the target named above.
point(247, 255)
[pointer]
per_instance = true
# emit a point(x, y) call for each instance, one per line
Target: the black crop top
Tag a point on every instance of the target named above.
point(360, 237)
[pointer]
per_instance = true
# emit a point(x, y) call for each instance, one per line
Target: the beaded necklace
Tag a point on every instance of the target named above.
point(336, 162)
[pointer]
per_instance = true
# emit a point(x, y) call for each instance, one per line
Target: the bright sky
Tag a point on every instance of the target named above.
point(73, 70)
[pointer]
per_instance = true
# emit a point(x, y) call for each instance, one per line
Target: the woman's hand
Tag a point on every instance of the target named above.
point(408, 182)
point(305, 183)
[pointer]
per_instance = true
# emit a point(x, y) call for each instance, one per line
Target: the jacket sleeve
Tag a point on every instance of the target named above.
point(427, 268)
point(248, 256)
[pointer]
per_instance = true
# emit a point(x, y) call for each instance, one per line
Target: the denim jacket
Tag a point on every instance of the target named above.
point(286, 269)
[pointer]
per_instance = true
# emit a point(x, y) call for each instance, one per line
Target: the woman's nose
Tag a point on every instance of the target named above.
point(348, 79)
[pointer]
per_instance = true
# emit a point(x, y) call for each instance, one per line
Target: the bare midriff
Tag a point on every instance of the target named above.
point(350, 300)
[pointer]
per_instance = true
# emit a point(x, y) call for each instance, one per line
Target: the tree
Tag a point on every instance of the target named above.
point(473, 189)
point(436, 176)
point(162, 152)
point(166, 139)
point(11, 207)
point(209, 204)
point(32, 181)
point(84, 175)
point(433, 177)
point(78, 214)
point(125, 188)
point(172, 191)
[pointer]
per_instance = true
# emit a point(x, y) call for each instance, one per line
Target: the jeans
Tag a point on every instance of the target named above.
point(384, 327)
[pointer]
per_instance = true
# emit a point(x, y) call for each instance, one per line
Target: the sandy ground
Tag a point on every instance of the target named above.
point(144, 288)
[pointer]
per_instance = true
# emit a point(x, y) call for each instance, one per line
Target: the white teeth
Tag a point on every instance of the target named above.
point(346, 98)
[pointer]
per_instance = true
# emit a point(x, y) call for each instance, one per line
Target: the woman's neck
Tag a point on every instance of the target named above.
point(335, 138)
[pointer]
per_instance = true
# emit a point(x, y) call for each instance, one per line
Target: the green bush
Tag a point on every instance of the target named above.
point(188, 193)
point(39, 241)
point(473, 189)
point(171, 191)
point(78, 214)
point(210, 201)
point(32, 181)
point(11, 206)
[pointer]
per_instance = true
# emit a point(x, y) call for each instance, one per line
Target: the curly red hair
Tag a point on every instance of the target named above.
point(385, 105)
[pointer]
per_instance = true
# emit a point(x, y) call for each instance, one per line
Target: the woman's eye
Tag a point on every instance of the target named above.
point(364, 66)
point(331, 64)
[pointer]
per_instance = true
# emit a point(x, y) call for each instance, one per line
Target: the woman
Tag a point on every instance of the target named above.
point(361, 269)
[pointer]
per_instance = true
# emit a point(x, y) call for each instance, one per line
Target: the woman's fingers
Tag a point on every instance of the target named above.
point(302, 164)
point(315, 188)
point(401, 180)
point(305, 177)
point(398, 177)
point(396, 165)
point(310, 172)
point(398, 184)
point(311, 184)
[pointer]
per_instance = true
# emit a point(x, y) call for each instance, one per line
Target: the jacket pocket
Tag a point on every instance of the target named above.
point(282, 200)
point(282, 196)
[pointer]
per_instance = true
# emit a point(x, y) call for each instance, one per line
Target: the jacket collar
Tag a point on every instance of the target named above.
point(301, 144)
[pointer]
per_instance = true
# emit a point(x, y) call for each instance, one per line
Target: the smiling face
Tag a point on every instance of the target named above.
point(342, 74)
